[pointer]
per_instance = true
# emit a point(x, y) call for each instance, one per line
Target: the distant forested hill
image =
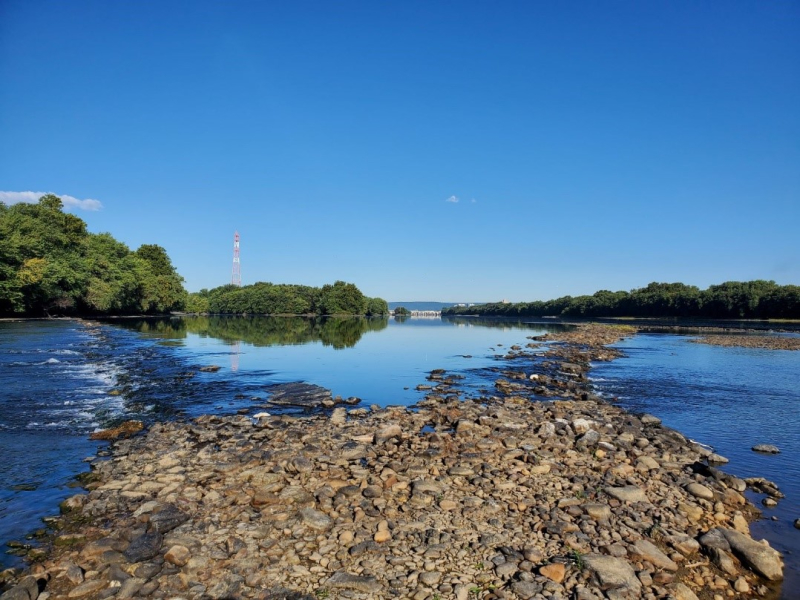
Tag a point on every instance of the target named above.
point(757, 299)
point(50, 265)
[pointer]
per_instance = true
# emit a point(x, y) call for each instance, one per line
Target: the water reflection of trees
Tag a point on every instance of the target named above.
point(264, 331)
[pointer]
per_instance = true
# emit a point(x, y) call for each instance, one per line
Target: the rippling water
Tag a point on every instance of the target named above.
point(730, 399)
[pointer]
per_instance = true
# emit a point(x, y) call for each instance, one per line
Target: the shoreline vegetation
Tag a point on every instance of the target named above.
point(756, 299)
point(50, 265)
point(489, 497)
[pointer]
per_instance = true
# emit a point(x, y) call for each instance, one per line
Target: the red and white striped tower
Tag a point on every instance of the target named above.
point(236, 275)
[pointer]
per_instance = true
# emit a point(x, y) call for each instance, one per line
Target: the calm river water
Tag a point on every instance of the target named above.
point(60, 380)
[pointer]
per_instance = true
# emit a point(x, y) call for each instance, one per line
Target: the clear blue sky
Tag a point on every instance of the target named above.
point(590, 145)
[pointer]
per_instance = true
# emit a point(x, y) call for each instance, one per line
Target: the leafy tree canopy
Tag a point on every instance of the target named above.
point(50, 264)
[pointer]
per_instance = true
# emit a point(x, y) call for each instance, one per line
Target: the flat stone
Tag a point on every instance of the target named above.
point(554, 572)
point(130, 587)
point(698, 490)
point(766, 449)
point(598, 511)
point(650, 552)
point(613, 574)
point(682, 592)
point(315, 519)
point(430, 578)
point(359, 583)
point(627, 493)
point(760, 558)
point(387, 433)
point(84, 589)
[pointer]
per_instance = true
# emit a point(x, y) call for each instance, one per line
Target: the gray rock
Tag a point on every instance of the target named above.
point(715, 539)
point(627, 493)
point(228, 587)
point(649, 552)
point(700, 491)
point(167, 519)
point(26, 589)
point(526, 589)
point(363, 548)
point(144, 547)
point(299, 394)
point(722, 560)
point(717, 459)
point(588, 439)
point(360, 583)
point(766, 449)
point(315, 519)
point(682, 592)
point(130, 587)
point(87, 588)
point(760, 558)
point(650, 420)
point(614, 574)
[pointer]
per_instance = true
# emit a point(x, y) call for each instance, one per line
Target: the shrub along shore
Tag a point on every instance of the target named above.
point(490, 497)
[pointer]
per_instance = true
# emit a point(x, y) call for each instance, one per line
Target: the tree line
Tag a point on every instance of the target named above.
point(757, 299)
point(51, 265)
point(265, 298)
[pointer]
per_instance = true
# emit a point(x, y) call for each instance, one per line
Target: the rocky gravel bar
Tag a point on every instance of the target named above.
point(490, 497)
point(769, 342)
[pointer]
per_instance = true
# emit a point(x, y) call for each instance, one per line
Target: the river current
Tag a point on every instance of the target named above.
point(61, 380)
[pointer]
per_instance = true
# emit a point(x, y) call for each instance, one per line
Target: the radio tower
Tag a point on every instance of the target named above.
point(236, 274)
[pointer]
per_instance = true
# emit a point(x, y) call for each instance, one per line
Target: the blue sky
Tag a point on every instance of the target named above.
point(589, 145)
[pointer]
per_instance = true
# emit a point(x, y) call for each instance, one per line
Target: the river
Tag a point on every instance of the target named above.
point(60, 380)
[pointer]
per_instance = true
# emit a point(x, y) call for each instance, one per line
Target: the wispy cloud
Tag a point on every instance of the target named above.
point(474, 201)
point(31, 197)
point(452, 199)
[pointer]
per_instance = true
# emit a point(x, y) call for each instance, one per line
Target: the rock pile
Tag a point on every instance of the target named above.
point(495, 497)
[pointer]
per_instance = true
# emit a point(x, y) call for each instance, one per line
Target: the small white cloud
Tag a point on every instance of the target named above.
point(452, 199)
point(33, 197)
point(474, 201)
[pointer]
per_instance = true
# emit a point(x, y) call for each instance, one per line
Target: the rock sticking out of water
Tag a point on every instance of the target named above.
point(766, 449)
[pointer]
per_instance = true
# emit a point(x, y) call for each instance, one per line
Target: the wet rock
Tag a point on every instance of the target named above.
point(209, 369)
point(299, 394)
point(766, 449)
point(760, 558)
point(144, 547)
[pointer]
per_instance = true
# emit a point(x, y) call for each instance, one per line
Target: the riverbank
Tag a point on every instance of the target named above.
point(492, 497)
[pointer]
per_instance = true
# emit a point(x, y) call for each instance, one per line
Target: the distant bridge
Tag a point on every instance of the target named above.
point(425, 314)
